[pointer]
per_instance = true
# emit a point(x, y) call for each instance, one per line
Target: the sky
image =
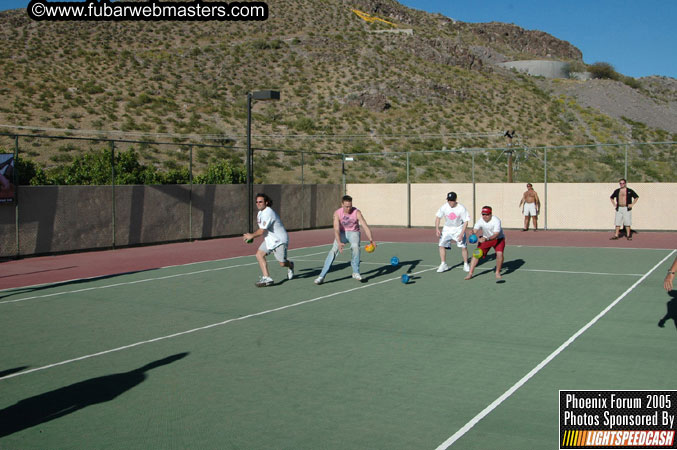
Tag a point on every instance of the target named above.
point(637, 37)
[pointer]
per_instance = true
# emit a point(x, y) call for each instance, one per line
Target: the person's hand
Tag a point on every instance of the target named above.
point(667, 283)
point(437, 232)
point(340, 247)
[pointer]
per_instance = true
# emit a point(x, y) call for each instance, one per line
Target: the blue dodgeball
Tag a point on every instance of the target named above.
point(405, 278)
point(472, 239)
point(394, 261)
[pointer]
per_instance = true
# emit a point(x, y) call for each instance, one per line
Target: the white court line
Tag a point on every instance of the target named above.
point(460, 433)
point(491, 270)
point(206, 327)
point(385, 263)
point(127, 283)
point(580, 273)
point(94, 278)
point(297, 258)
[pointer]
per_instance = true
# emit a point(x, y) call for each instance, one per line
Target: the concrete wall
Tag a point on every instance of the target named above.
point(570, 206)
point(55, 219)
point(543, 68)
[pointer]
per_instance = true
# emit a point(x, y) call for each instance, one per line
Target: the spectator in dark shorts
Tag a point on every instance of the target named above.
point(623, 199)
point(492, 237)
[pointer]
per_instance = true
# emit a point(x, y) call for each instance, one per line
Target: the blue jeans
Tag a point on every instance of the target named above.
point(351, 237)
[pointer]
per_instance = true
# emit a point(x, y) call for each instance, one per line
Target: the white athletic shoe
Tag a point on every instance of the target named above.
point(264, 281)
point(357, 276)
point(466, 267)
point(290, 270)
point(319, 280)
point(443, 268)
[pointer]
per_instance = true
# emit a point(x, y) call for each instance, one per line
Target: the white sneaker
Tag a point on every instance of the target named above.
point(290, 270)
point(264, 281)
point(466, 267)
point(443, 268)
point(357, 276)
point(319, 280)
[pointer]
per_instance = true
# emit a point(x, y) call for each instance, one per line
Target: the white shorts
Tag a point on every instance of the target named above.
point(530, 209)
point(450, 235)
point(280, 251)
point(623, 217)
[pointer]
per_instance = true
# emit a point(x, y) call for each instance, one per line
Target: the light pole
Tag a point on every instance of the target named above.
point(255, 95)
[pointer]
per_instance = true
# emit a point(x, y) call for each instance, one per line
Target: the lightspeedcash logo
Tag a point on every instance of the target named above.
point(106, 10)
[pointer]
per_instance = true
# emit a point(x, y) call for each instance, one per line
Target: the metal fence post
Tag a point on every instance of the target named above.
point(474, 194)
point(303, 194)
point(545, 181)
point(626, 162)
point(112, 181)
point(190, 194)
point(408, 195)
point(16, 196)
point(343, 172)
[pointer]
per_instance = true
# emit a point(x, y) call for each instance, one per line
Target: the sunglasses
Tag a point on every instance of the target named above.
point(259, 202)
point(486, 214)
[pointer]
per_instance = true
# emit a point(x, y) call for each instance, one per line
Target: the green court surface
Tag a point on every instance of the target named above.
point(196, 356)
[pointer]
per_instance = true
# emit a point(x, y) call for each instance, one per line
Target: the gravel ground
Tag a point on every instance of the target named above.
point(617, 99)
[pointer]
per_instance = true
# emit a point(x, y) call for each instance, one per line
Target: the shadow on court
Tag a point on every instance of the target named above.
point(29, 289)
point(66, 400)
point(4, 373)
point(343, 271)
point(388, 269)
point(508, 266)
point(37, 271)
point(314, 273)
point(512, 266)
point(672, 311)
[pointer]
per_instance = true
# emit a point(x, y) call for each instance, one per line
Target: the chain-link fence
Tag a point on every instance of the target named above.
point(176, 168)
point(57, 159)
point(145, 191)
point(637, 162)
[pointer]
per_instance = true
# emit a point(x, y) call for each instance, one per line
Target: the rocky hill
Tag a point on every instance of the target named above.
point(346, 87)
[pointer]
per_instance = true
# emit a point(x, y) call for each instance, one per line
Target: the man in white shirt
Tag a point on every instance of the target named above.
point(492, 236)
point(456, 220)
point(275, 240)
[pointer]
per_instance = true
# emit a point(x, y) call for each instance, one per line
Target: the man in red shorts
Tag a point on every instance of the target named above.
point(492, 236)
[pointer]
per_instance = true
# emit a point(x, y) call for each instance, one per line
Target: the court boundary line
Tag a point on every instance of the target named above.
point(299, 258)
point(129, 283)
point(546, 246)
point(518, 270)
point(581, 273)
point(202, 328)
point(94, 278)
point(493, 405)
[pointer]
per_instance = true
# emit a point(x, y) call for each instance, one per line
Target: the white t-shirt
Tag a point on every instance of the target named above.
point(490, 228)
point(453, 217)
point(275, 233)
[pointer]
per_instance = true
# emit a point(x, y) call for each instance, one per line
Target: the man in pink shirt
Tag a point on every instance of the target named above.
point(347, 223)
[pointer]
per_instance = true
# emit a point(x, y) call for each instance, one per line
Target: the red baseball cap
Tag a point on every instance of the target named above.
point(486, 210)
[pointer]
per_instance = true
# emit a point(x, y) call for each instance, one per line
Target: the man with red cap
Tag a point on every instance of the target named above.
point(492, 237)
